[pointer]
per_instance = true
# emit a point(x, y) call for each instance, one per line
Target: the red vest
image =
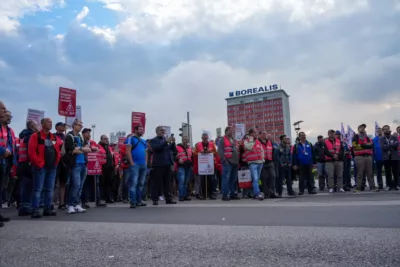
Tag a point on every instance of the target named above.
point(364, 151)
point(4, 137)
point(23, 152)
point(268, 148)
point(333, 148)
point(256, 153)
point(228, 148)
point(184, 155)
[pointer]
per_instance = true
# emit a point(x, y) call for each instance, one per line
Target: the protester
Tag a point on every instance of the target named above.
point(162, 149)
point(44, 154)
point(228, 151)
point(363, 150)
point(255, 158)
point(62, 170)
point(107, 169)
point(184, 167)
point(391, 157)
point(319, 148)
point(284, 155)
point(136, 152)
point(334, 156)
point(76, 149)
point(304, 160)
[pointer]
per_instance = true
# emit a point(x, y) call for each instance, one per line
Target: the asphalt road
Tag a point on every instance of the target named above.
point(323, 230)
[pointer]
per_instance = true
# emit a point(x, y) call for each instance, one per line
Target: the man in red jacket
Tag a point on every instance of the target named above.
point(44, 154)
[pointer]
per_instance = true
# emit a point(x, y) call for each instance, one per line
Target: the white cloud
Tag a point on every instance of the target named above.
point(11, 11)
point(338, 60)
point(81, 15)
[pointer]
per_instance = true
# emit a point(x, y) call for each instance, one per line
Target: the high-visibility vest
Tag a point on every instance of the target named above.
point(398, 148)
point(363, 152)
point(268, 148)
point(184, 155)
point(228, 148)
point(333, 148)
point(256, 153)
point(4, 137)
point(23, 152)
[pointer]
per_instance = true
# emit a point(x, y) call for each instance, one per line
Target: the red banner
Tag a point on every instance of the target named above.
point(138, 118)
point(67, 102)
point(94, 163)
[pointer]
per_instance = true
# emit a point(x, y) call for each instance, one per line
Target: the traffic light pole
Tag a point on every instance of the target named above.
point(189, 132)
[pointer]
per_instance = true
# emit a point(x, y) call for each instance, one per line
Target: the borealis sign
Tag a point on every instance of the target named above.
point(255, 90)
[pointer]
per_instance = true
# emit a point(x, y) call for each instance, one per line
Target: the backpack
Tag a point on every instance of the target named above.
point(63, 151)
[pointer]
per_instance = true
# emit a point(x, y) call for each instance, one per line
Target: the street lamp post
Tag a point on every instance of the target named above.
point(297, 127)
point(93, 127)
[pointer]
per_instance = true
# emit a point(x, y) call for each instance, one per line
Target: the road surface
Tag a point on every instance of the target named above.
point(322, 230)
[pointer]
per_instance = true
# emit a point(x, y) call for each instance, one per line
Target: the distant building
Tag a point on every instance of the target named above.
point(114, 136)
point(267, 110)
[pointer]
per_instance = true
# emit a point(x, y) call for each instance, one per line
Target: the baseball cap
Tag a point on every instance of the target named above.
point(362, 125)
point(338, 132)
point(86, 130)
point(60, 124)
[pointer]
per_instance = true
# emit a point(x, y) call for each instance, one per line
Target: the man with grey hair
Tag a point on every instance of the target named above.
point(162, 149)
point(5, 152)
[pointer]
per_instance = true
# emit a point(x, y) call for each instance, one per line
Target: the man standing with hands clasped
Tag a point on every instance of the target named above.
point(162, 160)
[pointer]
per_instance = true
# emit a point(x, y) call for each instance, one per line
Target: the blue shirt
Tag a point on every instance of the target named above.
point(80, 158)
point(138, 152)
point(304, 154)
point(377, 149)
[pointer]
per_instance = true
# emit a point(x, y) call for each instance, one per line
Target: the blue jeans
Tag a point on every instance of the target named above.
point(136, 183)
point(378, 165)
point(322, 177)
point(184, 175)
point(25, 193)
point(77, 178)
point(229, 179)
point(255, 171)
point(43, 181)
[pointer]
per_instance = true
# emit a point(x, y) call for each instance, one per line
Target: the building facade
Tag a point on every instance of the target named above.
point(114, 136)
point(268, 111)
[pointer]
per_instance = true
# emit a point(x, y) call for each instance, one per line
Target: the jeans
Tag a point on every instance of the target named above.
point(322, 177)
point(123, 189)
point(255, 171)
point(378, 165)
point(268, 179)
point(305, 175)
point(43, 181)
point(77, 179)
point(26, 184)
point(184, 175)
point(347, 173)
point(137, 178)
point(285, 173)
point(4, 177)
point(229, 179)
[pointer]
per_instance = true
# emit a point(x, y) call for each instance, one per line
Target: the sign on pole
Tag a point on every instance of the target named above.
point(36, 116)
point(70, 120)
point(138, 118)
point(67, 102)
point(94, 163)
point(239, 131)
point(206, 164)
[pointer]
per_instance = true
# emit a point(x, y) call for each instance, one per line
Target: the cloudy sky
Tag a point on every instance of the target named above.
point(339, 60)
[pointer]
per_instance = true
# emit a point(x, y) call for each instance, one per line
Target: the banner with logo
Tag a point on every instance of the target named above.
point(138, 118)
point(36, 116)
point(94, 163)
point(67, 102)
point(70, 120)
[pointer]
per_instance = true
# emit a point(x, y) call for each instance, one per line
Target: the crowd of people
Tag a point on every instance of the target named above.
point(41, 168)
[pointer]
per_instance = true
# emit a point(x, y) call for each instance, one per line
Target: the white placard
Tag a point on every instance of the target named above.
point(239, 131)
point(206, 164)
point(167, 131)
point(36, 116)
point(70, 120)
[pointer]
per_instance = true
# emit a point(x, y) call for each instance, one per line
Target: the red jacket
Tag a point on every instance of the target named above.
point(36, 149)
point(122, 155)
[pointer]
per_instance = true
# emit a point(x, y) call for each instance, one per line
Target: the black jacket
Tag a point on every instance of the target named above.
point(69, 159)
point(162, 152)
point(319, 150)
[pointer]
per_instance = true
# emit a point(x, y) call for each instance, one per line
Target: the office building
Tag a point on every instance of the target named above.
point(263, 108)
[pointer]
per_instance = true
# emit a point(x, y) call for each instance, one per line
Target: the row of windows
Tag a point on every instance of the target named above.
point(261, 101)
point(258, 120)
point(254, 106)
point(255, 115)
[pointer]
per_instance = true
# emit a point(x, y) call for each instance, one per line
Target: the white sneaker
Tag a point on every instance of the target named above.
point(71, 210)
point(4, 206)
point(79, 209)
point(341, 190)
point(331, 191)
point(161, 198)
